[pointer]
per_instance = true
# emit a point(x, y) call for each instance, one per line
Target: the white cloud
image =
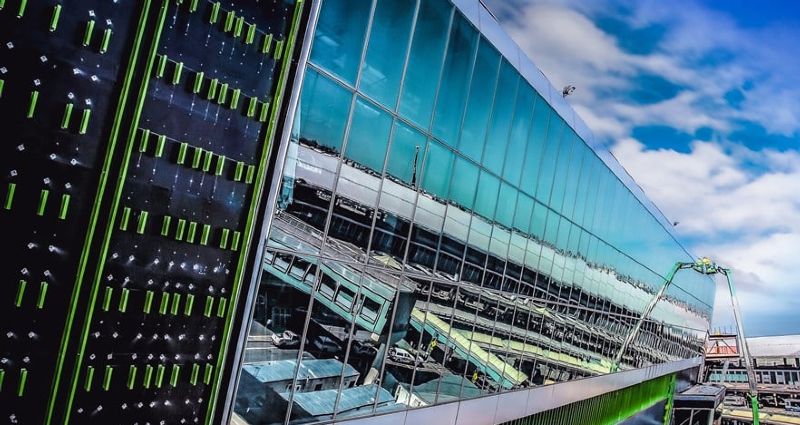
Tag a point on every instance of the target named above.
point(738, 204)
point(747, 221)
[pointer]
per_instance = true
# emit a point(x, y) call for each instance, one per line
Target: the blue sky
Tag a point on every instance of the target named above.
point(700, 102)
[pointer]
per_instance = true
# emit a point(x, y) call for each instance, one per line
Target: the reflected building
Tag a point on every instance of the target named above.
point(444, 228)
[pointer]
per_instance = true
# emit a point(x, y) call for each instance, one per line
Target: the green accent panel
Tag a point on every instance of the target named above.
point(212, 88)
point(209, 156)
point(192, 380)
point(148, 301)
point(42, 202)
point(159, 375)
point(176, 303)
point(180, 229)
point(191, 232)
point(87, 33)
point(54, 18)
point(67, 115)
point(209, 306)
point(142, 222)
point(165, 225)
point(204, 234)
point(87, 382)
point(62, 211)
point(197, 157)
point(606, 409)
point(144, 140)
point(176, 77)
point(239, 173)
point(12, 187)
point(87, 113)
point(237, 31)
point(161, 143)
point(21, 9)
point(106, 40)
point(208, 373)
point(267, 44)
point(42, 295)
point(235, 98)
point(229, 18)
point(222, 96)
point(162, 307)
point(223, 240)
point(107, 377)
point(214, 13)
point(187, 308)
point(251, 107)
point(162, 66)
point(182, 149)
point(123, 300)
point(23, 379)
point(221, 305)
point(220, 165)
point(132, 376)
point(126, 216)
point(235, 240)
point(20, 292)
point(173, 378)
point(251, 34)
point(109, 292)
point(3, 376)
point(250, 174)
point(198, 82)
point(32, 104)
point(148, 376)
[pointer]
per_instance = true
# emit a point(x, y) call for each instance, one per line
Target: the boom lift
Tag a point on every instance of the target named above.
point(707, 267)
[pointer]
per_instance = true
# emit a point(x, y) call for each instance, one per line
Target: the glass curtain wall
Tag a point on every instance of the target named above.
point(441, 233)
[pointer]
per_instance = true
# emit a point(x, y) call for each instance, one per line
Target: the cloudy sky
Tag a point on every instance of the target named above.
point(700, 102)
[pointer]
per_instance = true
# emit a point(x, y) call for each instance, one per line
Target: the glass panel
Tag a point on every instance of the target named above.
point(465, 180)
point(476, 120)
point(507, 205)
point(455, 80)
point(339, 38)
point(497, 139)
point(536, 142)
point(518, 139)
point(547, 168)
point(369, 135)
point(324, 107)
point(425, 61)
point(386, 52)
point(436, 177)
point(406, 154)
point(486, 199)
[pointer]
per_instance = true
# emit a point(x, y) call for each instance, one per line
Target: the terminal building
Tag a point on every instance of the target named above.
point(320, 211)
point(445, 225)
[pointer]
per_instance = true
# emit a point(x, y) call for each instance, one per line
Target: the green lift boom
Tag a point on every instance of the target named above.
point(706, 267)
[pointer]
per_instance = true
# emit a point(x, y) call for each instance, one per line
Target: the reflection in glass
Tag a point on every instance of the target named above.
point(425, 61)
point(386, 52)
point(492, 253)
point(339, 37)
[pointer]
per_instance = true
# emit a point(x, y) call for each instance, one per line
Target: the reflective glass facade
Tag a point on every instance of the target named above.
point(441, 233)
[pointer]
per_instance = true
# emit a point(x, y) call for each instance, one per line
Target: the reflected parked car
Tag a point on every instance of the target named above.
point(285, 339)
point(324, 346)
point(400, 355)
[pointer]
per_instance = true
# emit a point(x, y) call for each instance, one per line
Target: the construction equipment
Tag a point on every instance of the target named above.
point(707, 267)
